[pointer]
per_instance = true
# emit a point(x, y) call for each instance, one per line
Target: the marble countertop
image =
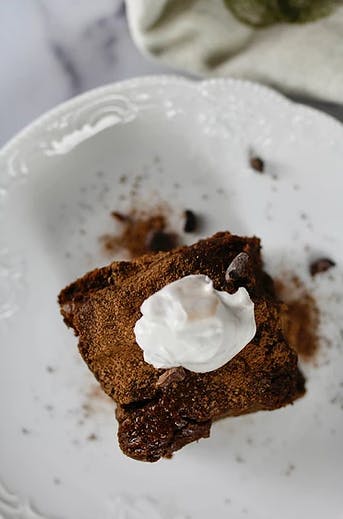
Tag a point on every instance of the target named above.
point(51, 50)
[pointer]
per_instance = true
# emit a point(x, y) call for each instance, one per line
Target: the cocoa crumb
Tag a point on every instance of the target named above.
point(257, 164)
point(119, 216)
point(321, 265)
point(92, 437)
point(168, 456)
point(191, 221)
point(171, 376)
point(158, 241)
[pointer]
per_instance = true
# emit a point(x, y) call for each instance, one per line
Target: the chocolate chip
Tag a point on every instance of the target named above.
point(119, 216)
point(160, 241)
point(171, 376)
point(321, 265)
point(239, 268)
point(257, 164)
point(191, 221)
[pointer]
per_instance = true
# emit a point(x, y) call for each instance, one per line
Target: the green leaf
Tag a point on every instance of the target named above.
point(260, 13)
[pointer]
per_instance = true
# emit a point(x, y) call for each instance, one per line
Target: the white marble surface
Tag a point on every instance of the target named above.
point(51, 50)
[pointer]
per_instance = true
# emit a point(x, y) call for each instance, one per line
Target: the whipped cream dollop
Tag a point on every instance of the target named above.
point(189, 323)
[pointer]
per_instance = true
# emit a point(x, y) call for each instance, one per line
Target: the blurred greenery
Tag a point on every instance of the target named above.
point(260, 13)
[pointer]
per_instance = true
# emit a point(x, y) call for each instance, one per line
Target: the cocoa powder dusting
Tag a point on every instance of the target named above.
point(140, 234)
point(96, 401)
point(301, 329)
point(300, 318)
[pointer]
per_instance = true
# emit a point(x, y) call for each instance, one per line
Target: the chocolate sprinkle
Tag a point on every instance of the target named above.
point(158, 241)
point(257, 164)
point(239, 268)
point(321, 265)
point(191, 221)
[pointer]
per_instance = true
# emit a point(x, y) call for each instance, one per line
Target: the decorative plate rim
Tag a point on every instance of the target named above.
point(164, 81)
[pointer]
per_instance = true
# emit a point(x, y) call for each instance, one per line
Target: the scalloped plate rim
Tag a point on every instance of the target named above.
point(156, 80)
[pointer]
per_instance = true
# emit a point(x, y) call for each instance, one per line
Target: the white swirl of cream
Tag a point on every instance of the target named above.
point(189, 323)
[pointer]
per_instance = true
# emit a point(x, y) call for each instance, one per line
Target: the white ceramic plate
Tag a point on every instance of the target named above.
point(189, 143)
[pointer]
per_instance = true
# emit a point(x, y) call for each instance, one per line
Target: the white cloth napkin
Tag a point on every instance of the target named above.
point(204, 38)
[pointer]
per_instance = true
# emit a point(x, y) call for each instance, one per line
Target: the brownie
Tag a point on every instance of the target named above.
point(157, 418)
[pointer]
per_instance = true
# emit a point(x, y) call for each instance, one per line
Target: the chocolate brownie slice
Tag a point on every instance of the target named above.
point(160, 411)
